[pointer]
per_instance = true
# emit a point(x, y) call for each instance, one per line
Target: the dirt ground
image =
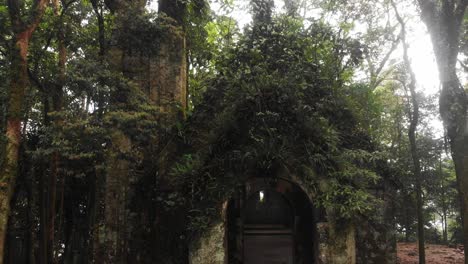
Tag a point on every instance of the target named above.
point(435, 254)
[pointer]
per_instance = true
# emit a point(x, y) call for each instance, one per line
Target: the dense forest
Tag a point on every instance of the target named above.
point(130, 129)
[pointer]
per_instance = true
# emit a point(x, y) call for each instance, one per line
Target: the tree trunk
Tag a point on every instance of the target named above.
point(97, 7)
point(18, 84)
point(443, 20)
point(31, 186)
point(460, 158)
point(43, 209)
point(96, 190)
point(57, 98)
point(407, 222)
point(8, 171)
point(444, 217)
point(43, 194)
point(414, 120)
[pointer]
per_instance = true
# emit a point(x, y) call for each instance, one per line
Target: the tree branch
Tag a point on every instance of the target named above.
point(464, 66)
point(384, 76)
point(37, 12)
point(3, 52)
point(15, 14)
point(460, 11)
point(387, 55)
point(428, 11)
point(36, 81)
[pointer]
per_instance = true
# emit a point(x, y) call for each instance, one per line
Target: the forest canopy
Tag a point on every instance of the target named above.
point(126, 126)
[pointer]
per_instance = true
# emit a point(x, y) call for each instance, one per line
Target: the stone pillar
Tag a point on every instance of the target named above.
point(111, 238)
point(337, 244)
point(161, 76)
point(168, 74)
point(375, 237)
point(210, 247)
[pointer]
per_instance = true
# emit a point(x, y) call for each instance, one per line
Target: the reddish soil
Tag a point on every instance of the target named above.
point(435, 254)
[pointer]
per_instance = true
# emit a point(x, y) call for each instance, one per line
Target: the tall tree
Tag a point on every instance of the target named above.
point(56, 107)
point(414, 120)
point(19, 81)
point(444, 20)
point(262, 11)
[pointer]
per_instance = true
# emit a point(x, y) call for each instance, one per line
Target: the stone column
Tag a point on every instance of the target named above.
point(209, 248)
point(337, 243)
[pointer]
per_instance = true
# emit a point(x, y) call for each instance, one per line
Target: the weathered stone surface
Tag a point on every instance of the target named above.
point(375, 237)
point(209, 248)
point(162, 77)
point(113, 238)
point(376, 243)
point(336, 245)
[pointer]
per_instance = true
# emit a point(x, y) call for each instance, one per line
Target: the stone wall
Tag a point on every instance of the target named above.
point(162, 77)
point(370, 241)
point(336, 245)
point(210, 247)
point(376, 244)
point(376, 238)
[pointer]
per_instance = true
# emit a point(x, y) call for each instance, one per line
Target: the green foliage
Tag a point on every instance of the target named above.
point(135, 116)
point(140, 33)
point(97, 98)
point(277, 101)
point(262, 10)
point(388, 111)
point(456, 229)
point(5, 27)
point(208, 45)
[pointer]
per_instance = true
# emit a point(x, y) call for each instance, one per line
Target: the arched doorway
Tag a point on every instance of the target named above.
point(271, 221)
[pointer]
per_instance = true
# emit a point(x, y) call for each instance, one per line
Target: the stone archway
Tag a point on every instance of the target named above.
point(316, 239)
point(271, 221)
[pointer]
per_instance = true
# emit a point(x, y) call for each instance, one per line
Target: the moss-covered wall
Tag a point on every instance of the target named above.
point(376, 244)
point(153, 94)
point(337, 244)
point(376, 238)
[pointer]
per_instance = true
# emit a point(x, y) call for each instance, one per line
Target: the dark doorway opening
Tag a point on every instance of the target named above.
point(271, 221)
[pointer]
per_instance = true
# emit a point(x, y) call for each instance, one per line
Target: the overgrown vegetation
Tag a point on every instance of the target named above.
point(136, 126)
point(278, 101)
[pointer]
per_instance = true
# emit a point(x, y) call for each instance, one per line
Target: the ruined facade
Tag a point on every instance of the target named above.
point(267, 219)
point(275, 221)
point(156, 84)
